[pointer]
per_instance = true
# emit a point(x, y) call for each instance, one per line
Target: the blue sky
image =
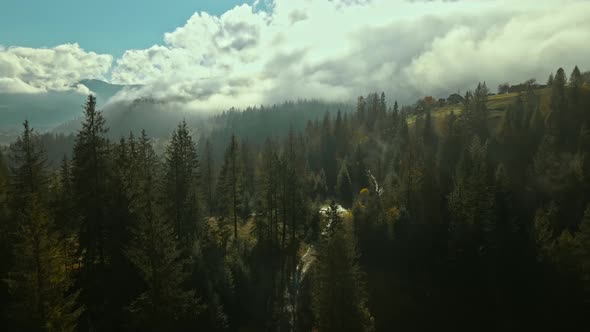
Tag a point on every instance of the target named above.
point(104, 26)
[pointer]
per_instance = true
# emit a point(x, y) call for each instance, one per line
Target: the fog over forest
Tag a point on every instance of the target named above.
point(279, 165)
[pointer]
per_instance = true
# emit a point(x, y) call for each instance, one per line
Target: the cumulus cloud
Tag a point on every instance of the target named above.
point(339, 49)
point(36, 70)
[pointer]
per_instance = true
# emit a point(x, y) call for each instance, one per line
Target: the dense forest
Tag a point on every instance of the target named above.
point(439, 215)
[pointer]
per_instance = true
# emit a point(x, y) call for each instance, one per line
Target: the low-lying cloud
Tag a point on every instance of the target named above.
point(37, 70)
point(335, 50)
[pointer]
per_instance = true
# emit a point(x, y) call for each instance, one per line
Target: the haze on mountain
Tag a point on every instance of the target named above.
point(266, 52)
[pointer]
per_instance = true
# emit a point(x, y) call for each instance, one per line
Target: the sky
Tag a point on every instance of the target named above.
point(213, 55)
point(105, 26)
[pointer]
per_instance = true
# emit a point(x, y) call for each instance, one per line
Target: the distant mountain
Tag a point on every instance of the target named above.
point(103, 90)
point(48, 110)
point(157, 117)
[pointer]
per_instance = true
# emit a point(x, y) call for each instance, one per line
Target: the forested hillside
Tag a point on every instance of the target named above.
point(468, 214)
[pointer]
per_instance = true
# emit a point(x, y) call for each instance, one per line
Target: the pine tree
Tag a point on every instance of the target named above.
point(165, 303)
point(208, 176)
point(358, 172)
point(144, 188)
point(230, 184)
point(38, 280)
point(155, 253)
point(550, 80)
point(575, 83)
point(92, 178)
point(576, 102)
point(267, 183)
point(361, 110)
point(181, 184)
point(247, 179)
point(344, 186)
point(543, 226)
point(428, 134)
point(28, 169)
point(478, 112)
point(339, 296)
point(65, 213)
point(449, 152)
point(295, 172)
point(471, 202)
point(559, 105)
point(340, 135)
point(547, 164)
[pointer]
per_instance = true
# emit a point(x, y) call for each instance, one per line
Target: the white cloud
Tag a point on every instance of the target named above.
point(36, 70)
point(343, 48)
point(329, 49)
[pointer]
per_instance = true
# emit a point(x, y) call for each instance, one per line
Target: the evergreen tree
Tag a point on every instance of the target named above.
point(559, 107)
point(471, 201)
point(477, 112)
point(576, 115)
point(449, 152)
point(181, 181)
point(28, 170)
point(92, 175)
point(268, 192)
point(38, 280)
point(247, 179)
point(543, 228)
point(575, 83)
point(547, 165)
point(344, 186)
point(361, 110)
point(230, 184)
point(339, 301)
point(358, 172)
point(428, 134)
point(155, 253)
point(65, 215)
point(208, 176)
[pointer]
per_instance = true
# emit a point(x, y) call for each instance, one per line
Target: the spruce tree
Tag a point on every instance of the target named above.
point(550, 80)
point(207, 175)
point(471, 202)
point(344, 186)
point(91, 179)
point(361, 110)
point(65, 215)
point(180, 185)
point(557, 120)
point(339, 295)
point(542, 231)
point(28, 169)
point(38, 280)
point(230, 184)
point(155, 253)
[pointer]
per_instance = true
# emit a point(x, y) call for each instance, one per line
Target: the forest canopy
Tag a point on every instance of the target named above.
point(470, 212)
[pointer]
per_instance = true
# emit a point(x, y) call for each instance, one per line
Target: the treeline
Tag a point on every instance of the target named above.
point(253, 124)
point(450, 222)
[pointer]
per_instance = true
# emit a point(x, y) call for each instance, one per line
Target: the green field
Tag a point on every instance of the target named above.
point(496, 105)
